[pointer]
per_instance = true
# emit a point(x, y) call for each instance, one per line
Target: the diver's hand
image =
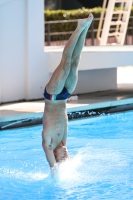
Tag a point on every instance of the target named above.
point(54, 169)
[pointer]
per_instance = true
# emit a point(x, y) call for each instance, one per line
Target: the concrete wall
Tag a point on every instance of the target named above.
point(96, 80)
point(95, 57)
point(22, 60)
point(12, 50)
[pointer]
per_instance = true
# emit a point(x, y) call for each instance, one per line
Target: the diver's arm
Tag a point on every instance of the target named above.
point(64, 143)
point(49, 154)
point(64, 140)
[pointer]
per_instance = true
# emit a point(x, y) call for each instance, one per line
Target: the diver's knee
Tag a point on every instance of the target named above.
point(75, 62)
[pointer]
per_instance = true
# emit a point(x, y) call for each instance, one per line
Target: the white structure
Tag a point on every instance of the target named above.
point(98, 66)
point(22, 61)
point(120, 24)
point(25, 67)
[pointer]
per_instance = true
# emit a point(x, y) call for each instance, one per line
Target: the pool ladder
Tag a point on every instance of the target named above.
point(120, 24)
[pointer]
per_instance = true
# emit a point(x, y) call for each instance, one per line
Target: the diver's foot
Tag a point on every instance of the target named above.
point(83, 23)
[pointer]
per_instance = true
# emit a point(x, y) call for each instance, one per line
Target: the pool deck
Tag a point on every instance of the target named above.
point(15, 112)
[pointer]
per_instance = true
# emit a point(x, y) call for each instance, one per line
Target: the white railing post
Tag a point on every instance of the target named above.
point(107, 21)
point(125, 18)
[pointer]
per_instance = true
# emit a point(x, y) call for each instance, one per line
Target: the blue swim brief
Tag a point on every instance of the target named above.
point(62, 96)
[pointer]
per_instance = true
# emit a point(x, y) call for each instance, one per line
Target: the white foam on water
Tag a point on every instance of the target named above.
point(68, 170)
point(91, 166)
point(18, 174)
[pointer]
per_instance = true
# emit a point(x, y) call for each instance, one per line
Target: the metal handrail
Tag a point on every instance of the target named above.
point(60, 21)
point(92, 30)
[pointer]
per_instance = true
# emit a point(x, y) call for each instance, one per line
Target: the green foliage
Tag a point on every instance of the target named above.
point(51, 15)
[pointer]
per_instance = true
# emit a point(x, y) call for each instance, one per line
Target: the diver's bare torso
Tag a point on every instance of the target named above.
point(54, 123)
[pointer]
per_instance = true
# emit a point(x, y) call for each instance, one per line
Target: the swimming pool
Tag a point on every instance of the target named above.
point(101, 165)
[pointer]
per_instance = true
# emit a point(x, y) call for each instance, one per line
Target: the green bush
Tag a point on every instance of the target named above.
point(53, 15)
point(70, 14)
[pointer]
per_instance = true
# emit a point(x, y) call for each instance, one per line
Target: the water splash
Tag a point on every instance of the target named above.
point(18, 174)
point(92, 166)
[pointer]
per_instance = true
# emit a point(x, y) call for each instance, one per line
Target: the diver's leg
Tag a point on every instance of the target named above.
point(72, 78)
point(58, 79)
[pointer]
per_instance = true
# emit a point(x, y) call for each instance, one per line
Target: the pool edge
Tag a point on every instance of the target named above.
point(74, 112)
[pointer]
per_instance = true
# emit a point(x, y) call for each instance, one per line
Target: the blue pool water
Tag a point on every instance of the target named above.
point(101, 165)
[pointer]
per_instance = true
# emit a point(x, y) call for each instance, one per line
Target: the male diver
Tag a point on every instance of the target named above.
point(57, 91)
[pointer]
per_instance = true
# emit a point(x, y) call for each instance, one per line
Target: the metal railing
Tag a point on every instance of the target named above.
point(91, 32)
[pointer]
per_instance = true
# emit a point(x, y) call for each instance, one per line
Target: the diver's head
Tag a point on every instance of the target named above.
point(61, 153)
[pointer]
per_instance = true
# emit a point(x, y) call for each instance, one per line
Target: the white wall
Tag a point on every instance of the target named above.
point(96, 80)
point(12, 50)
point(36, 68)
point(95, 57)
point(22, 62)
